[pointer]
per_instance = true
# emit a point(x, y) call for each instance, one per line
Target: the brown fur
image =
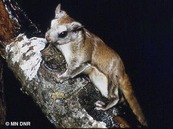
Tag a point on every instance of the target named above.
point(65, 20)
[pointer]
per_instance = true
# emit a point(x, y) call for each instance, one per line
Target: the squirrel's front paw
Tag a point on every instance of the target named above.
point(99, 105)
point(61, 78)
point(56, 78)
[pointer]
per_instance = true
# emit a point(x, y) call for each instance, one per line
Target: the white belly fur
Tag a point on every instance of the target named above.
point(66, 51)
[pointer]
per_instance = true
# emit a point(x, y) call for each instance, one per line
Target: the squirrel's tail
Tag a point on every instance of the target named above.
point(126, 87)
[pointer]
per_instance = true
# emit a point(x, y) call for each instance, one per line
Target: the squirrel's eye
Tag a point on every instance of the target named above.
point(62, 34)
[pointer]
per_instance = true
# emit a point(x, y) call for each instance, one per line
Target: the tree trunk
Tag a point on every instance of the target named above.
point(6, 26)
point(69, 104)
point(7, 31)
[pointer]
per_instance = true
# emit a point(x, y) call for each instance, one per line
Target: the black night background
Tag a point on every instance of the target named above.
point(140, 31)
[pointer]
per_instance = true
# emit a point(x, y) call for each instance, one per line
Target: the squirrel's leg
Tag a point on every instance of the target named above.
point(72, 71)
point(100, 80)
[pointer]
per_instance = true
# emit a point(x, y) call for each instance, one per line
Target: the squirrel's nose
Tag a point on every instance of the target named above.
point(48, 39)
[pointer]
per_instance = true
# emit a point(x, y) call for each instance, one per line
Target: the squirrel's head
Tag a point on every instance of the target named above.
point(63, 28)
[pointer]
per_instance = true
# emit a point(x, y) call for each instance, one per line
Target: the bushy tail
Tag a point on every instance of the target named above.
point(126, 87)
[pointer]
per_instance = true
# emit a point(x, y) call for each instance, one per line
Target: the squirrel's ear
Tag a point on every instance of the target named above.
point(58, 9)
point(76, 26)
point(59, 13)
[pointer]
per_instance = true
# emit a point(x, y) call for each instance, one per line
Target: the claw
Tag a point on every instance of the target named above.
point(57, 78)
point(100, 108)
point(61, 81)
point(99, 103)
point(61, 78)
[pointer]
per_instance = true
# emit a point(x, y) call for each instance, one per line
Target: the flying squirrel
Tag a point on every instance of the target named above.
point(86, 53)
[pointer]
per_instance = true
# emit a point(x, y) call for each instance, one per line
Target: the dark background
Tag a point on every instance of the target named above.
point(140, 31)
